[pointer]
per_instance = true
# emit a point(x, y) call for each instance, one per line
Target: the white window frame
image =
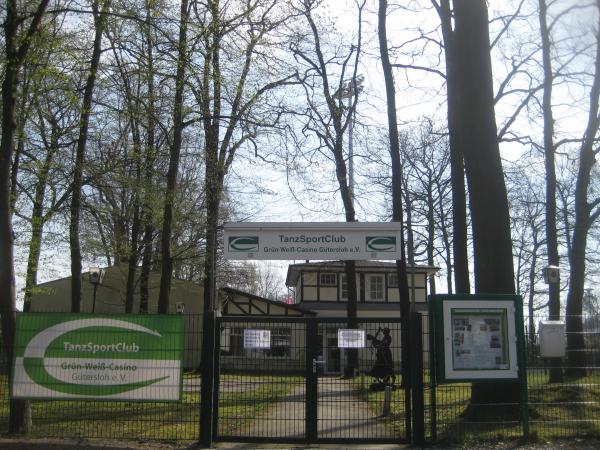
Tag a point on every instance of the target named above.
point(380, 294)
point(328, 283)
point(391, 276)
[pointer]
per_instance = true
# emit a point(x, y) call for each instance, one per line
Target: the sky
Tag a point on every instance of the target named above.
point(418, 94)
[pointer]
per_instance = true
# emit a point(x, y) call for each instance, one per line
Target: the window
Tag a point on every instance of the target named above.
point(328, 279)
point(343, 287)
point(376, 287)
point(393, 280)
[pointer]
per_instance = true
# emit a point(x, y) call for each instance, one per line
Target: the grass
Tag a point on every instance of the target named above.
point(148, 420)
point(559, 410)
point(248, 396)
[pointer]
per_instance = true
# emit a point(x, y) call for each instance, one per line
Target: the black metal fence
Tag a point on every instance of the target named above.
point(249, 387)
point(261, 390)
point(559, 406)
point(305, 386)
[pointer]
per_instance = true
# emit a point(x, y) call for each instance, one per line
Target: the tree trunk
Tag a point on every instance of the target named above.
point(145, 269)
point(492, 243)
point(213, 190)
point(584, 218)
point(397, 212)
point(18, 409)
point(147, 210)
point(339, 119)
point(457, 171)
point(16, 48)
point(213, 170)
point(166, 260)
point(430, 235)
point(549, 162)
point(530, 303)
point(575, 341)
point(133, 253)
point(445, 238)
point(349, 266)
point(77, 185)
point(556, 374)
point(487, 192)
point(20, 146)
point(134, 247)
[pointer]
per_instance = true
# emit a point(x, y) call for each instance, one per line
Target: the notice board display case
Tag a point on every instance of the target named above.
point(477, 337)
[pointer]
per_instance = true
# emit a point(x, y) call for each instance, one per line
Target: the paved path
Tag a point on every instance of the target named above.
point(341, 414)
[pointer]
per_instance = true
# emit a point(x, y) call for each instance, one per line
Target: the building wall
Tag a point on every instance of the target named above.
point(55, 296)
point(310, 290)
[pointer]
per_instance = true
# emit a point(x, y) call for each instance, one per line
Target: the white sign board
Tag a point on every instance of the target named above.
point(312, 240)
point(351, 338)
point(257, 338)
point(98, 357)
point(553, 339)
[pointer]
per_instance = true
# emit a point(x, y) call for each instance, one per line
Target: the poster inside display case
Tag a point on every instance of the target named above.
point(476, 337)
point(479, 339)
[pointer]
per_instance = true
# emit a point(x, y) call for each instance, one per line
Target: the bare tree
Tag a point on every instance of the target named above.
point(330, 80)
point(459, 202)
point(586, 212)
point(492, 245)
point(549, 158)
point(231, 97)
point(397, 211)
point(527, 219)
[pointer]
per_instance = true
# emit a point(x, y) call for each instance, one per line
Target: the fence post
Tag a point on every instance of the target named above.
point(312, 335)
point(406, 373)
point(216, 377)
point(432, 377)
point(416, 366)
point(208, 373)
point(522, 362)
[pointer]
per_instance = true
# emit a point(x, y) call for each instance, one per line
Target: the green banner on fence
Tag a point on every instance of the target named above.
point(108, 357)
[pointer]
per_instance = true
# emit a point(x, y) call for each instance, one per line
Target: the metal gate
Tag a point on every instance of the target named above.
point(289, 380)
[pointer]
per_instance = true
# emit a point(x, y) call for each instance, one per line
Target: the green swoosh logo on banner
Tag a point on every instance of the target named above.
point(381, 243)
point(244, 243)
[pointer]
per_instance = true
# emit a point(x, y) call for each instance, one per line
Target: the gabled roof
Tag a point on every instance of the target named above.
point(294, 270)
point(260, 305)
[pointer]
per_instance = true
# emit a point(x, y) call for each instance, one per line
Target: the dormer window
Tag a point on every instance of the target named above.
point(328, 279)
